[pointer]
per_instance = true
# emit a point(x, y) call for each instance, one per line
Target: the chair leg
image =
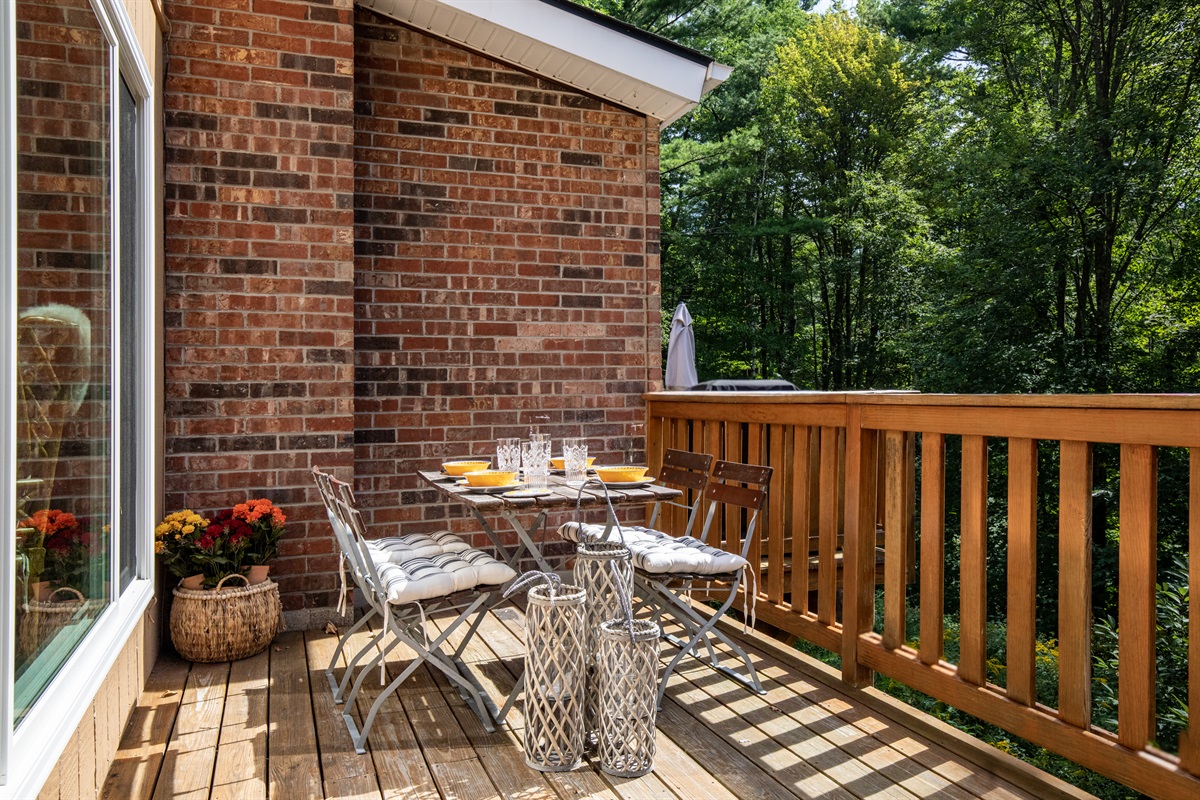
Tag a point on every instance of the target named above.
point(700, 630)
point(339, 687)
point(425, 653)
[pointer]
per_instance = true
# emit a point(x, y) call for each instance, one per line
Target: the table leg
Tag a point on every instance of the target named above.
point(526, 540)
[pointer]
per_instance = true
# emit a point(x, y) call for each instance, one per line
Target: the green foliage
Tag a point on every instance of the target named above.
point(1171, 661)
point(1046, 677)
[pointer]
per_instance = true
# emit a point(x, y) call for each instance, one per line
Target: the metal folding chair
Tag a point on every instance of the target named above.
point(667, 569)
point(403, 579)
point(688, 472)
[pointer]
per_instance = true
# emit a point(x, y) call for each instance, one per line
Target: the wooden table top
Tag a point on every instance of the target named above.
point(561, 496)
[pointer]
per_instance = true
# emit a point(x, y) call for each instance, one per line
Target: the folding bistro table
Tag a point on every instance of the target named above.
point(560, 496)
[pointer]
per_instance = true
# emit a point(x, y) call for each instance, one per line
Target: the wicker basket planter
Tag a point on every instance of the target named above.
point(605, 572)
point(225, 623)
point(628, 668)
point(40, 620)
point(554, 678)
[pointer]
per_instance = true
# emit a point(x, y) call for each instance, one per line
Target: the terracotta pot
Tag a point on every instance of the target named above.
point(192, 582)
point(258, 573)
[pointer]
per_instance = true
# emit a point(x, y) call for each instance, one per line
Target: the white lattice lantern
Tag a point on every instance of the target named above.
point(555, 685)
point(628, 671)
point(604, 571)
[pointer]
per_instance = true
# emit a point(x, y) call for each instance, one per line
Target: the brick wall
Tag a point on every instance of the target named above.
point(259, 311)
point(506, 267)
point(374, 264)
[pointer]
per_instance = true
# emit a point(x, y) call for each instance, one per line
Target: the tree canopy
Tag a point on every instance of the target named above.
point(946, 195)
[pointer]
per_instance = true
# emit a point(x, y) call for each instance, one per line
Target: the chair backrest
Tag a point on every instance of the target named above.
point(741, 485)
point(688, 472)
point(348, 529)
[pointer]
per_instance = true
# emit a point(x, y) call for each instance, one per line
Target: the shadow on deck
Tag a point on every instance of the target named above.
point(266, 727)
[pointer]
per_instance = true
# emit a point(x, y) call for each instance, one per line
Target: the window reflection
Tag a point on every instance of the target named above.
point(64, 311)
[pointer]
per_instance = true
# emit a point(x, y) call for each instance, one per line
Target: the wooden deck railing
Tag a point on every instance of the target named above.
point(842, 523)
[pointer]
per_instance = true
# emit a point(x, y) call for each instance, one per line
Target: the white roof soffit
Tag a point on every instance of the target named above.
point(572, 46)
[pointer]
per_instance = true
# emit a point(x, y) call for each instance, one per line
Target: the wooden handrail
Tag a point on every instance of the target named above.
point(841, 522)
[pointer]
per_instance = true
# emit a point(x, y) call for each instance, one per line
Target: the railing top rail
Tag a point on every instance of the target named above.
point(1174, 402)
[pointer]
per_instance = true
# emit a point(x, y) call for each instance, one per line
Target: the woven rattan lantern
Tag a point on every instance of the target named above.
point(555, 637)
point(605, 572)
point(628, 670)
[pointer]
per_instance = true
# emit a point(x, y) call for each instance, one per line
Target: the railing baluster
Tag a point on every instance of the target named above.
point(777, 518)
point(858, 612)
point(1075, 584)
point(973, 599)
point(827, 543)
point(801, 515)
point(1022, 569)
point(1139, 544)
point(895, 557)
point(933, 545)
point(1189, 740)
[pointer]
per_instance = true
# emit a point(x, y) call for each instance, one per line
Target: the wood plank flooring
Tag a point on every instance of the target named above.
point(267, 728)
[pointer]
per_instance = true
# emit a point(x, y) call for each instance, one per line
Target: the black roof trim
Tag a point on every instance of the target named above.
point(632, 31)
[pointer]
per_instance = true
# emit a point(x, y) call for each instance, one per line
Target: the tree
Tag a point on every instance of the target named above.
point(1074, 151)
point(838, 109)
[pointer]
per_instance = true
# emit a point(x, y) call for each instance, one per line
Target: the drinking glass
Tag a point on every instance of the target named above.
point(575, 459)
point(508, 455)
point(535, 457)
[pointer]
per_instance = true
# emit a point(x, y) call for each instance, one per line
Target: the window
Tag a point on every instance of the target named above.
point(64, 337)
point(75, 334)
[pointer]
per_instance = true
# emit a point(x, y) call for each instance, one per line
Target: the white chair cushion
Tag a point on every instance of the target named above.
point(398, 549)
point(579, 532)
point(427, 577)
point(657, 553)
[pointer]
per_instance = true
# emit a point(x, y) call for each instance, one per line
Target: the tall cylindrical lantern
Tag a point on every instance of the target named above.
point(605, 572)
point(627, 661)
point(555, 685)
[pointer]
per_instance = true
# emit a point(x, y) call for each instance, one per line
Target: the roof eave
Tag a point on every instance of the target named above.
point(641, 72)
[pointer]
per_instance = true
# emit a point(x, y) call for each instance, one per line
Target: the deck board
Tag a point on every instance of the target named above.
point(267, 728)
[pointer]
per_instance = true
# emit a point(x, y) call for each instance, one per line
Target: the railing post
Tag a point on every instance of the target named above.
point(858, 590)
point(654, 439)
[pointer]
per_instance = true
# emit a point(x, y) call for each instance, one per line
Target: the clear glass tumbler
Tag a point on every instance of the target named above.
point(575, 459)
point(535, 458)
point(508, 455)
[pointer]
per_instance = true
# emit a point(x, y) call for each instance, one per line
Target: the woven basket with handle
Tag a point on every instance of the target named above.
point(225, 623)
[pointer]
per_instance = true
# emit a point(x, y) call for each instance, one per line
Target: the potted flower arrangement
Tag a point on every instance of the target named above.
point(56, 546)
point(202, 552)
point(212, 621)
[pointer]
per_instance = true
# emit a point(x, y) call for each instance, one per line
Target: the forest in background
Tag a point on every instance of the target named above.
point(955, 196)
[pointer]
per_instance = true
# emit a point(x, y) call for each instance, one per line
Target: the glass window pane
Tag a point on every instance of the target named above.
point(130, 224)
point(64, 313)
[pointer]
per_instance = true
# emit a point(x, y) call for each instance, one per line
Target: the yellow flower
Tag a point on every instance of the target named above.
point(160, 547)
point(189, 529)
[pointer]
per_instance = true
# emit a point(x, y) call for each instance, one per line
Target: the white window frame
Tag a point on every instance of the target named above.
point(31, 751)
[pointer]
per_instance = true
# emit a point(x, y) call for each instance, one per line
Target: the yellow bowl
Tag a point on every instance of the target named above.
point(460, 468)
point(621, 474)
point(561, 463)
point(490, 477)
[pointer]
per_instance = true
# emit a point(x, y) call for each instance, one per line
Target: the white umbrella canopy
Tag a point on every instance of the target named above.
point(680, 372)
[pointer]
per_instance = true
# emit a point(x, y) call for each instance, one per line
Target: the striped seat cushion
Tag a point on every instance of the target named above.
point(427, 577)
point(397, 549)
point(657, 553)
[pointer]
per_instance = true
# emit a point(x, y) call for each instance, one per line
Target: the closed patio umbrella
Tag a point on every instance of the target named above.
point(680, 372)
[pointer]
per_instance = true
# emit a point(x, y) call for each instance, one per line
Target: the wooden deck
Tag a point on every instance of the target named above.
point(266, 727)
